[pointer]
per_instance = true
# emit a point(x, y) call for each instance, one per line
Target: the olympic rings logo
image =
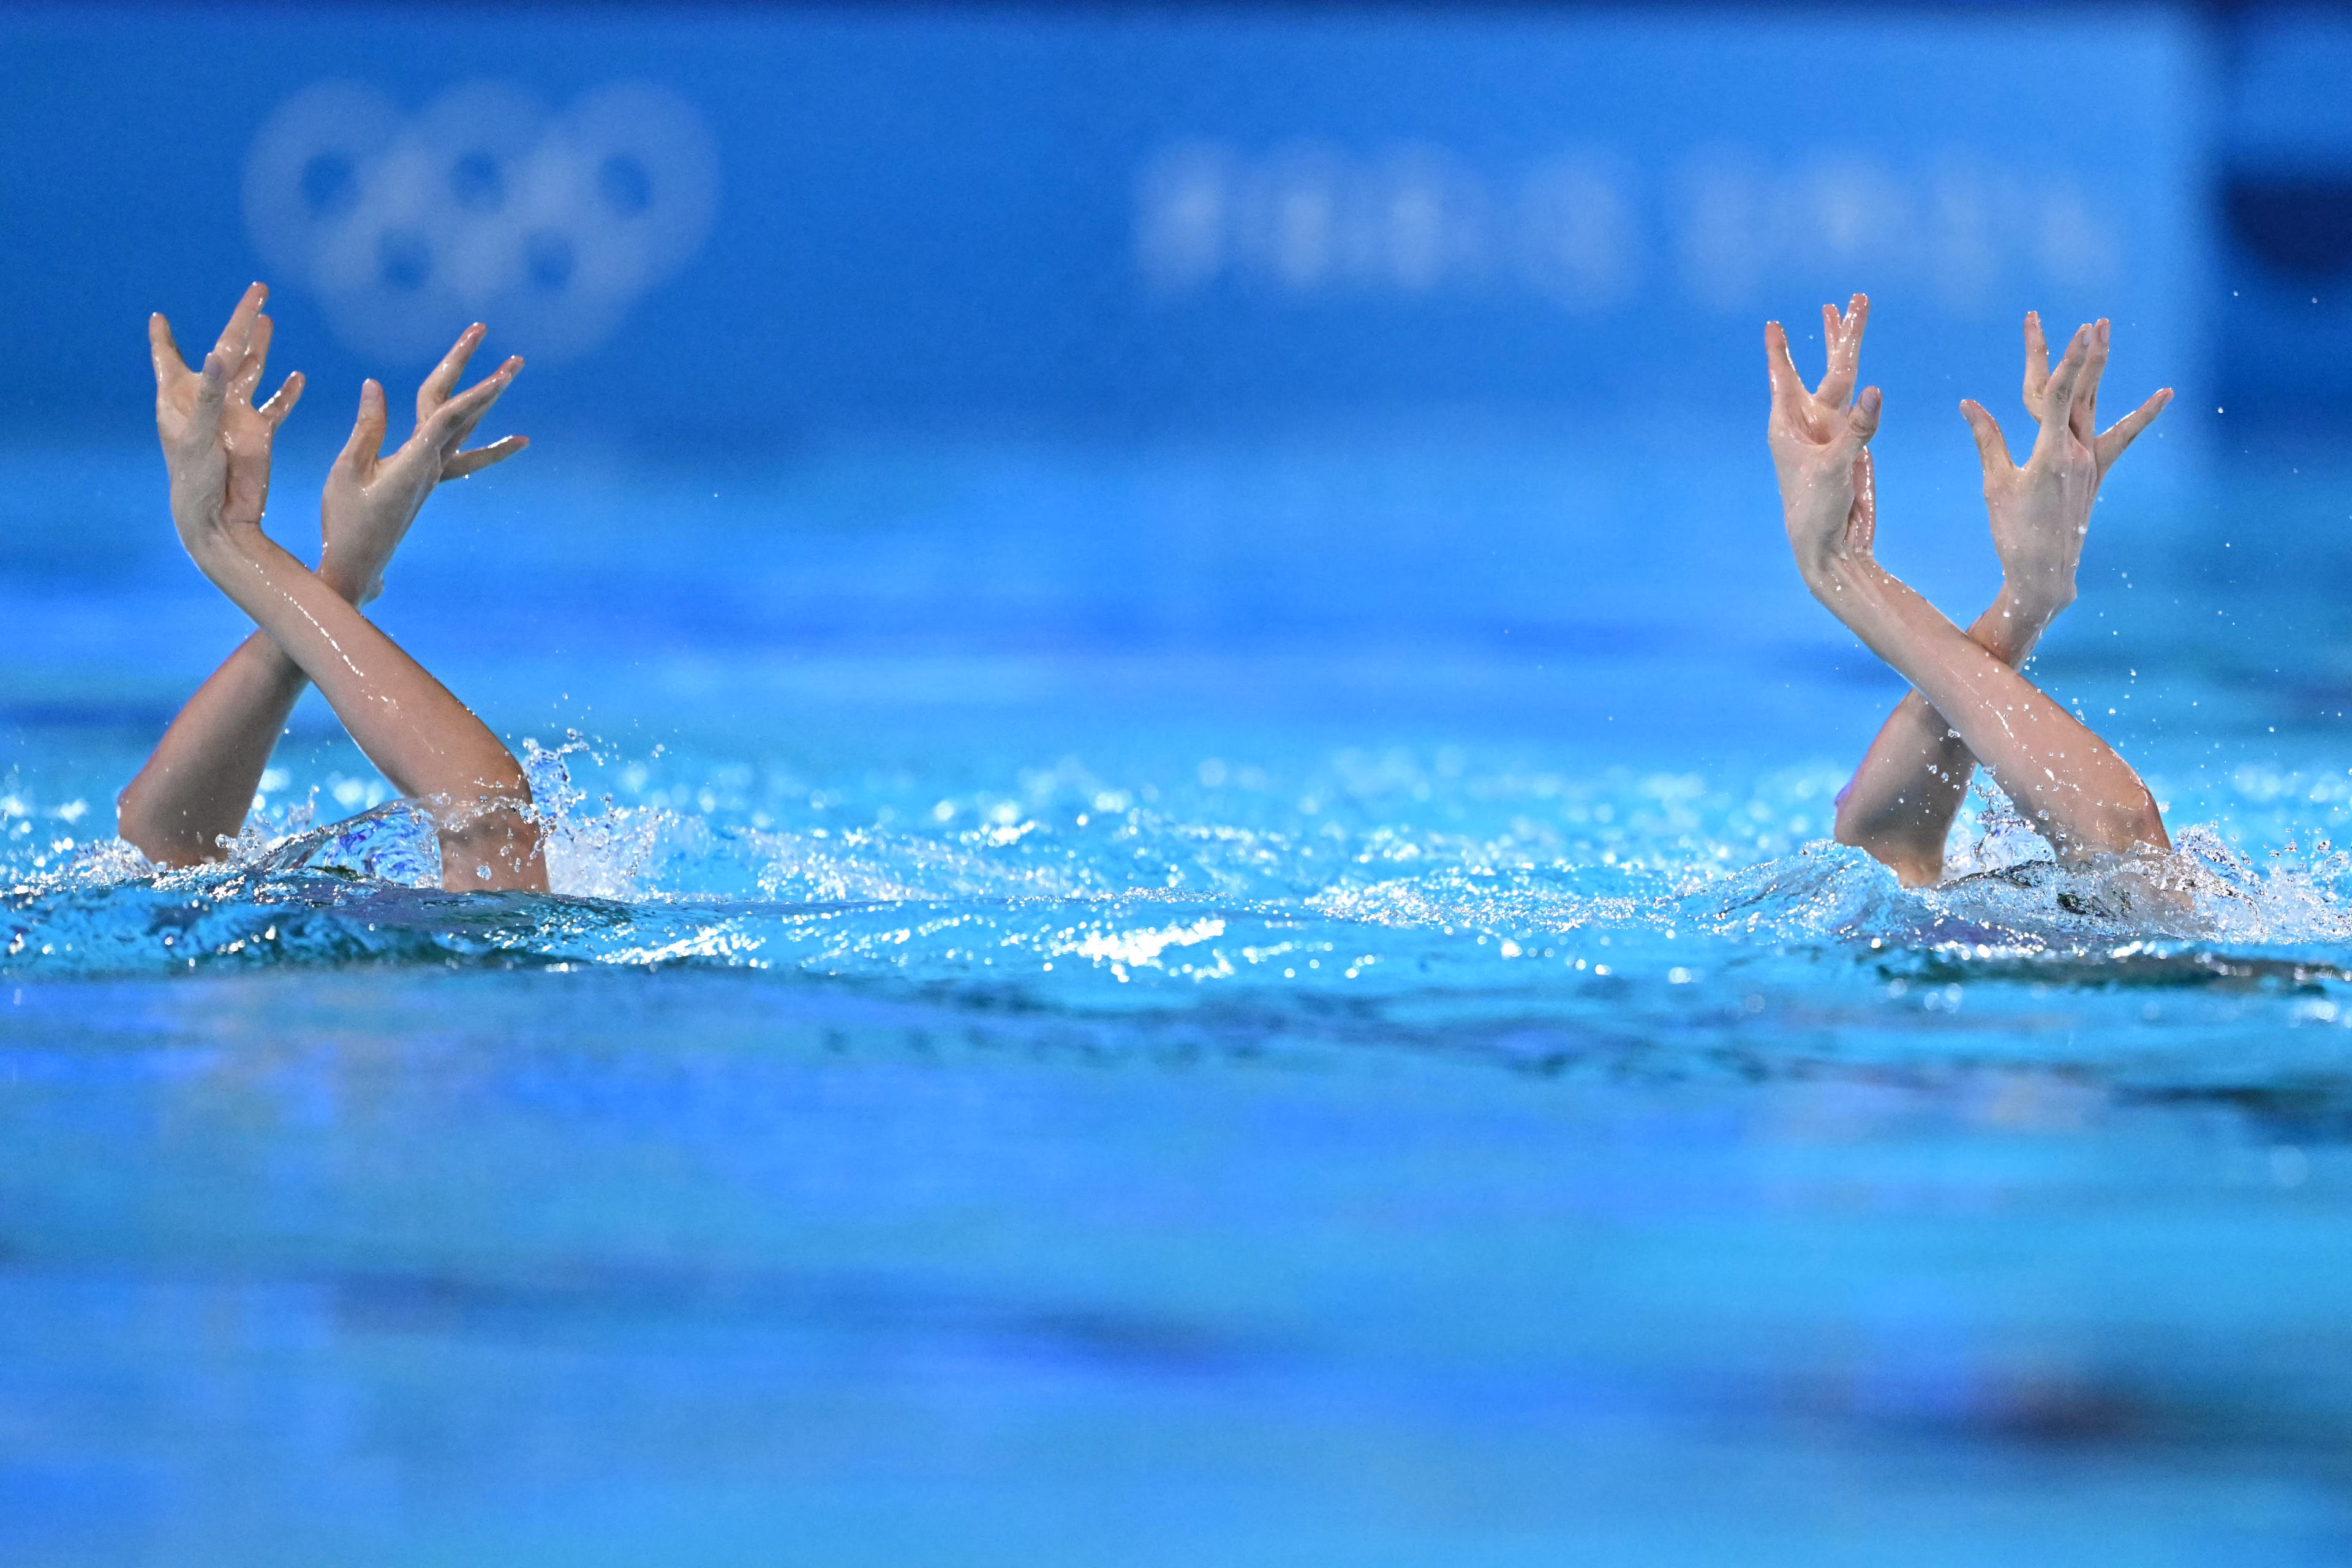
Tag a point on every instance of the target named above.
point(482, 206)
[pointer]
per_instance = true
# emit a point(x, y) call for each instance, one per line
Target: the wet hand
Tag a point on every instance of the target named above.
point(1819, 441)
point(372, 498)
point(2040, 511)
point(216, 444)
point(2083, 414)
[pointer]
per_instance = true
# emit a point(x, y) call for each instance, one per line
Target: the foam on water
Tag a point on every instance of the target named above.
point(1446, 885)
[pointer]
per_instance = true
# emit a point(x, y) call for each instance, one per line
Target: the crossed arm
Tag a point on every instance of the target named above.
point(216, 446)
point(1969, 704)
point(1902, 800)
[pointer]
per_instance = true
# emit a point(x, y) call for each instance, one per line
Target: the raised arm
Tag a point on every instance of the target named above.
point(421, 738)
point(1902, 800)
point(2068, 783)
point(198, 784)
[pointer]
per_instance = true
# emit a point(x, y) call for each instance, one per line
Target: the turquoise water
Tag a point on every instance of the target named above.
point(1229, 1004)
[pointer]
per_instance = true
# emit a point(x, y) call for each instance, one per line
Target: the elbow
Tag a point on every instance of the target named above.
point(132, 810)
point(2140, 826)
point(135, 825)
point(1916, 860)
point(1850, 818)
point(491, 843)
point(2129, 826)
point(1915, 866)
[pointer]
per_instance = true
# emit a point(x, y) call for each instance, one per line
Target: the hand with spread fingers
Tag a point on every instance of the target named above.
point(2039, 512)
point(2083, 416)
point(1820, 442)
point(216, 442)
point(372, 498)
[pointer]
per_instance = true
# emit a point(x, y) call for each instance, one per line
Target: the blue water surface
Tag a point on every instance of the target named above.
point(1215, 1002)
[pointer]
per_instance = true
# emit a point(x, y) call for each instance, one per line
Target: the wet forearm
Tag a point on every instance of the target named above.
point(197, 786)
point(1904, 797)
point(2069, 783)
point(1901, 802)
point(199, 783)
point(425, 741)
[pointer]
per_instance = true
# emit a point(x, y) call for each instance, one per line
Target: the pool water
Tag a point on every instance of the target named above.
point(1234, 1002)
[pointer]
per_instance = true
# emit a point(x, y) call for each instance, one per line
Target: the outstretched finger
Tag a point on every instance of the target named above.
point(2086, 395)
point(453, 436)
point(164, 349)
point(2037, 363)
point(248, 378)
point(1843, 336)
point(2058, 404)
point(1992, 447)
point(366, 441)
point(1862, 420)
point(481, 457)
point(212, 391)
point(1781, 370)
point(239, 330)
point(1831, 392)
point(2126, 430)
point(1832, 329)
point(453, 419)
point(444, 379)
point(282, 402)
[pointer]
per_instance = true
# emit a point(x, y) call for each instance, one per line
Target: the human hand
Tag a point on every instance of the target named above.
point(370, 499)
point(2083, 418)
point(216, 442)
point(2039, 512)
point(1820, 443)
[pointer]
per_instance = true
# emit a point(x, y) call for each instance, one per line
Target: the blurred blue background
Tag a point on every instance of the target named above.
point(1078, 220)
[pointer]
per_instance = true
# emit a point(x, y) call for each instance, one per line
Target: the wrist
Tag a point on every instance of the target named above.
point(2018, 616)
point(347, 585)
point(234, 558)
point(1837, 576)
point(367, 535)
point(207, 535)
point(2038, 596)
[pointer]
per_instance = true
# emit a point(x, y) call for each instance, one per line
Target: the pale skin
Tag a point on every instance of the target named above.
point(2070, 784)
point(1901, 801)
point(195, 788)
